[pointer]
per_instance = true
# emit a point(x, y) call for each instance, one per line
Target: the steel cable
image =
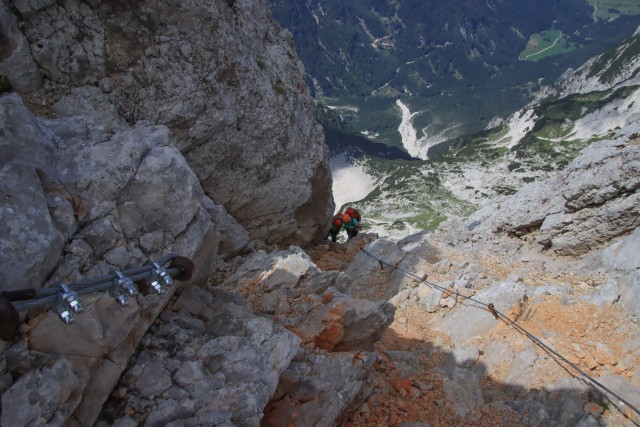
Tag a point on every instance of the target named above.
point(490, 308)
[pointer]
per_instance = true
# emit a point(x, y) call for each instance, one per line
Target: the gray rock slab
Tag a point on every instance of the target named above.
point(605, 295)
point(153, 380)
point(35, 397)
point(365, 267)
point(306, 382)
point(623, 255)
point(411, 271)
point(496, 354)
point(472, 320)
point(406, 362)
point(522, 372)
point(463, 390)
point(189, 372)
point(30, 244)
point(278, 269)
point(166, 411)
point(591, 202)
point(466, 356)
point(429, 297)
point(193, 300)
point(17, 63)
point(345, 323)
point(624, 388)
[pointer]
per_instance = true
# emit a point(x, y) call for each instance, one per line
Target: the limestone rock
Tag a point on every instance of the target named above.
point(407, 363)
point(169, 410)
point(278, 269)
point(30, 244)
point(35, 397)
point(344, 323)
point(522, 372)
point(429, 297)
point(472, 319)
point(411, 270)
point(591, 202)
point(466, 356)
point(624, 388)
point(318, 390)
point(224, 374)
point(16, 61)
point(623, 258)
point(232, 94)
point(463, 390)
point(365, 267)
point(605, 295)
point(153, 380)
point(120, 195)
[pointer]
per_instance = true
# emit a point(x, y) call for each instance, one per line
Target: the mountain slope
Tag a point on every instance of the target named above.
point(481, 168)
point(455, 64)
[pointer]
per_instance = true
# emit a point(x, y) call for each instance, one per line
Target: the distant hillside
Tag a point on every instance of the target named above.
point(456, 64)
point(599, 100)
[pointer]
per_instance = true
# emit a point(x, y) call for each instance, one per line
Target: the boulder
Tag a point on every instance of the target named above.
point(280, 269)
point(380, 255)
point(623, 258)
point(319, 390)
point(40, 395)
point(343, 323)
point(30, 243)
point(474, 319)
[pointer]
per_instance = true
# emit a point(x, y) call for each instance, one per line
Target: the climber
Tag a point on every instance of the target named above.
point(336, 226)
point(354, 213)
point(352, 225)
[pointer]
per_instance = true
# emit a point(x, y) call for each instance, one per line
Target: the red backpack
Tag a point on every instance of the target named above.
point(354, 214)
point(337, 220)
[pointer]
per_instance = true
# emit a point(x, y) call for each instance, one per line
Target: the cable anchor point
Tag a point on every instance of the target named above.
point(493, 311)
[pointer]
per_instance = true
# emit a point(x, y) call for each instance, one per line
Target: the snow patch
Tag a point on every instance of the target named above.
point(612, 117)
point(343, 108)
point(370, 135)
point(350, 181)
point(408, 132)
point(418, 147)
point(519, 125)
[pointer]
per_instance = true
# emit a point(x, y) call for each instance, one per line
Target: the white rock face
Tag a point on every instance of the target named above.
point(223, 77)
point(594, 200)
point(82, 196)
point(350, 182)
point(592, 77)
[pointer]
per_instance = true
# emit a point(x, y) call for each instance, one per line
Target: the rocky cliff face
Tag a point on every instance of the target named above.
point(170, 127)
point(83, 196)
point(155, 128)
point(582, 208)
point(222, 76)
